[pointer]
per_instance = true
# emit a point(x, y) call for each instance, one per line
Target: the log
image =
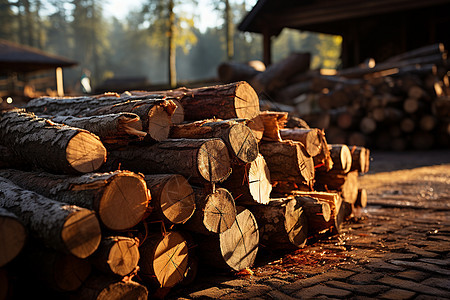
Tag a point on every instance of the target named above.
point(367, 125)
point(234, 100)
point(44, 144)
point(257, 126)
point(287, 161)
point(56, 270)
point(234, 249)
point(422, 51)
point(116, 256)
point(215, 212)
point(63, 227)
point(277, 75)
point(101, 287)
point(119, 198)
point(318, 214)
point(10, 160)
point(231, 71)
point(239, 139)
point(323, 160)
point(199, 160)
point(344, 183)
point(173, 199)
point(164, 259)
point(341, 156)
point(120, 128)
point(273, 122)
point(13, 235)
point(282, 224)
point(361, 199)
point(310, 138)
point(360, 159)
point(349, 191)
point(251, 183)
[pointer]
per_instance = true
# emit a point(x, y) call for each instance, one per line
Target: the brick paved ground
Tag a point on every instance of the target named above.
point(399, 251)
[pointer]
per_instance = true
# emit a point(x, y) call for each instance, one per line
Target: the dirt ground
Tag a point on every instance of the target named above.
point(398, 247)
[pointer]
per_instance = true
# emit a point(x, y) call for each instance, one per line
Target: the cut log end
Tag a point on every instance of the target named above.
point(123, 256)
point(213, 161)
point(13, 236)
point(171, 259)
point(246, 101)
point(159, 123)
point(259, 180)
point(243, 143)
point(239, 244)
point(81, 233)
point(178, 114)
point(296, 224)
point(177, 200)
point(85, 153)
point(70, 272)
point(124, 202)
point(219, 212)
point(361, 200)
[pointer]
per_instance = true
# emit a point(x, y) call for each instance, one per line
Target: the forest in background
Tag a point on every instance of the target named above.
point(139, 45)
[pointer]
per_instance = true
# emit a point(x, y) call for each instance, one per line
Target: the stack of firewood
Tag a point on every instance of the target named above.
point(399, 104)
point(107, 195)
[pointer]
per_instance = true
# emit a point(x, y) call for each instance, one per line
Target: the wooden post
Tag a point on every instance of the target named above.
point(59, 82)
point(267, 47)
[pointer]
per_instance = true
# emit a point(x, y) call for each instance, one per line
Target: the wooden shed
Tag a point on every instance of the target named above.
point(370, 29)
point(27, 71)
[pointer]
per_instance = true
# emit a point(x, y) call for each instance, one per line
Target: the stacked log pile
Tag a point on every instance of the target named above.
point(399, 104)
point(122, 198)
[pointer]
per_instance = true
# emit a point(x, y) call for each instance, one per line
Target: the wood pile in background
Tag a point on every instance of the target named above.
point(135, 217)
point(400, 104)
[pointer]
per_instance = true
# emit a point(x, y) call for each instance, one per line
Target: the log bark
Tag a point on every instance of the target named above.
point(318, 214)
point(234, 249)
point(116, 256)
point(120, 128)
point(164, 259)
point(215, 212)
point(10, 160)
point(199, 160)
point(234, 100)
point(251, 183)
point(273, 122)
point(341, 156)
point(119, 198)
point(44, 144)
point(282, 224)
point(361, 199)
point(287, 161)
point(173, 199)
point(346, 184)
point(323, 160)
point(56, 270)
point(239, 139)
point(310, 138)
point(63, 227)
point(360, 159)
point(101, 287)
point(13, 235)
point(230, 71)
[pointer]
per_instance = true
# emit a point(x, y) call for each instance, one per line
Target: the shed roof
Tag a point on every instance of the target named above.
point(318, 15)
point(19, 58)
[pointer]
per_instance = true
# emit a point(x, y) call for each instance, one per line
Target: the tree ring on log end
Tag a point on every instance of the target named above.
point(345, 158)
point(219, 213)
point(81, 233)
point(239, 244)
point(246, 101)
point(243, 143)
point(178, 114)
point(124, 256)
point(171, 259)
point(177, 200)
point(259, 180)
point(71, 272)
point(121, 290)
point(85, 152)
point(159, 123)
point(296, 223)
point(13, 236)
point(213, 161)
point(124, 202)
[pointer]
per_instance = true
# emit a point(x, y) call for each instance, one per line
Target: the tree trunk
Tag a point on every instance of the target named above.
point(164, 259)
point(119, 198)
point(318, 214)
point(251, 183)
point(241, 144)
point(101, 287)
point(234, 249)
point(10, 160)
point(120, 128)
point(199, 160)
point(63, 227)
point(282, 224)
point(172, 46)
point(273, 122)
point(287, 162)
point(215, 212)
point(231, 71)
point(173, 199)
point(58, 148)
point(116, 256)
point(310, 138)
point(13, 234)
point(234, 100)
